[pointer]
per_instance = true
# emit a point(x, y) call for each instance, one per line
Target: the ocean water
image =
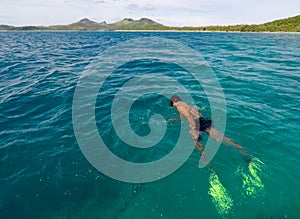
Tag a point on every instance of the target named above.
point(44, 174)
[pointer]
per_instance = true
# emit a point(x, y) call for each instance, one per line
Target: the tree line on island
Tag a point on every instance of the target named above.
point(291, 24)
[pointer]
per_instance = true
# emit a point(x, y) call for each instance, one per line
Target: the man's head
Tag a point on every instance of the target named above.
point(174, 99)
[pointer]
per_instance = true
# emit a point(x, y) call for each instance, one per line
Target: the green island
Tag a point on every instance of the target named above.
point(291, 24)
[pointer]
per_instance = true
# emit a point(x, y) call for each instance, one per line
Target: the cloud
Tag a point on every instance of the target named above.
point(133, 7)
point(136, 7)
point(149, 7)
point(168, 12)
point(99, 2)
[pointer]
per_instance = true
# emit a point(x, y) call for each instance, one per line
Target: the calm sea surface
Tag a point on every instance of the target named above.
point(44, 174)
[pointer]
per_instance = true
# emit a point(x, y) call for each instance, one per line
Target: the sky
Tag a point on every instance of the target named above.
point(167, 12)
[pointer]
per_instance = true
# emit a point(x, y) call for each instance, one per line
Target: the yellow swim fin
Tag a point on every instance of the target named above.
point(220, 196)
point(252, 183)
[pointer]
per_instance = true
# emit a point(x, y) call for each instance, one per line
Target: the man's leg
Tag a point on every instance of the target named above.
point(217, 136)
point(199, 146)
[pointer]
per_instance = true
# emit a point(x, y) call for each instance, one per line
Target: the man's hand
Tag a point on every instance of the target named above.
point(175, 119)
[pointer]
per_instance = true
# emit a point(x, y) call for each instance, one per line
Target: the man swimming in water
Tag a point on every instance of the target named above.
point(198, 124)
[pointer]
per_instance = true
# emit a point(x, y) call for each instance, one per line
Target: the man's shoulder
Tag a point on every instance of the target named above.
point(183, 107)
point(181, 103)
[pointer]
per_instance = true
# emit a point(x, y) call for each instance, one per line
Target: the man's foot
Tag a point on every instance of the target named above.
point(247, 158)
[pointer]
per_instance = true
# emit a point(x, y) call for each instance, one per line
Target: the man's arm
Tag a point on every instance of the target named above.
point(180, 117)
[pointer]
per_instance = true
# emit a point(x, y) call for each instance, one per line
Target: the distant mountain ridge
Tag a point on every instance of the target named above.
point(291, 24)
point(86, 24)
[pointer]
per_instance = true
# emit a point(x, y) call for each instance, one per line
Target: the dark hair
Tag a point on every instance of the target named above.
point(173, 99)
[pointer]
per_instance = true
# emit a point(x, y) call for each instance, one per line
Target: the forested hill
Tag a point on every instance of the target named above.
point(291, 24)
point(86, 24)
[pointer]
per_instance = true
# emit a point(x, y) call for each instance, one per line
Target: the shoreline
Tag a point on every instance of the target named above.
point(197, 31)
point(158, 31)
point(285, 25)
point(153, 31)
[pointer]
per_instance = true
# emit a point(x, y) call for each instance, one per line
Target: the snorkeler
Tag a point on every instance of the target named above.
point(252, 183)
point(198, 124)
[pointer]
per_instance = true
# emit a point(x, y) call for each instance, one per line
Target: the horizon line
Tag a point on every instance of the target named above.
point(137, 19)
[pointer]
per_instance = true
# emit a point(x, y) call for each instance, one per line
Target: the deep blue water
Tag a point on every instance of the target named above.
point(44, 174)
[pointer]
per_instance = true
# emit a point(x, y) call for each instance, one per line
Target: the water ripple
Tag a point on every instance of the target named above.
point(41, 161)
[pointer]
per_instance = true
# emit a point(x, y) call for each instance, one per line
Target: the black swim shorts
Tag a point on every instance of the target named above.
point(204, 123)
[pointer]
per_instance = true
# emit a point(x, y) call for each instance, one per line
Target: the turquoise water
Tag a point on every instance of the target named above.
point(43, 173)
